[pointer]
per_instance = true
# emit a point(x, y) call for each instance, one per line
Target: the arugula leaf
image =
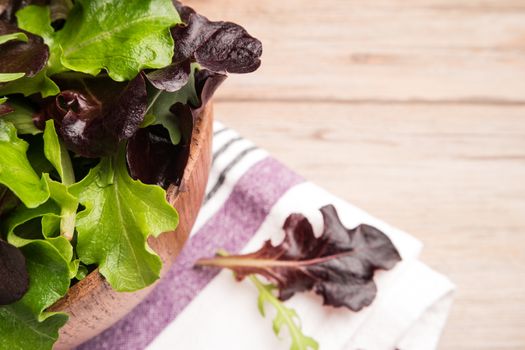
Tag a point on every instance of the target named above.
point(120, 214)
point(25, 325)
point(339, 265)
point(19, 36)
point(122, 37)
point(284, 316)
point(15, 171)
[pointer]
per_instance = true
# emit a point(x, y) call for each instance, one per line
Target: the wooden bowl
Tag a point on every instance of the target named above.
point(91, 304)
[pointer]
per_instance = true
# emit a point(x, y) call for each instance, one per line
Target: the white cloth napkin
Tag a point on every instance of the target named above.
point(408, 313)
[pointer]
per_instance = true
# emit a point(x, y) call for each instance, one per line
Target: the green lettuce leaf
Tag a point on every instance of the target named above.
point(6, 77)
point(40, 83)
point(120, 214)
point(21, 330)
point(62, 206)
point(62, 209)
point(17, 234)
point(22, 118)
point(56, 152)
point(15, 171)
point(13, 36)
point(68, 206)
point(122, 37)
point(25, 325)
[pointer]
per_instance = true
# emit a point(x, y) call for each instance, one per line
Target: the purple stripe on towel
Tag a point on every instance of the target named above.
point(230, 228)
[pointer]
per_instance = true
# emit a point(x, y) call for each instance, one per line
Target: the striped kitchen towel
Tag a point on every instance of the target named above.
point(248, 197)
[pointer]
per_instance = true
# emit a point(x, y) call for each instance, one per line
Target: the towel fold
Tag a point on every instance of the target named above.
point(249, 195)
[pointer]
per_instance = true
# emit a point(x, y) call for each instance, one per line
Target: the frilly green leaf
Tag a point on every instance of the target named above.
point(120, 214)
point(122, 37)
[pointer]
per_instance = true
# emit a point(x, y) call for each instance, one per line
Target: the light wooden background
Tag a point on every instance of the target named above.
point(414, 111)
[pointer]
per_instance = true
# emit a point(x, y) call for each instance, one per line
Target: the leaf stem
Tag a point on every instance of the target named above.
point(243, 261)
point(153, 100)
point(68, 175)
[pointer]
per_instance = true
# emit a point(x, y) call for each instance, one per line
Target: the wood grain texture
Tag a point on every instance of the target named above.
point(414, 111)
point(91, 304)
point(345, 50)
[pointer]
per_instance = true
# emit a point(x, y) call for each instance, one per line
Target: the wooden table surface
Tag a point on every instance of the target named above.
point(414, 111)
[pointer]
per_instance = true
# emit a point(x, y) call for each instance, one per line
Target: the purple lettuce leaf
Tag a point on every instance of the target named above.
point(221, 47)
point(13, 274)
point(339, 265)
point(171, 78)
point(218, 46)
point(5, 108)
point(92, 126)
point(8, 200)
point(22, 57)
point(152, 158)
point(8, 8)
point(206, 83)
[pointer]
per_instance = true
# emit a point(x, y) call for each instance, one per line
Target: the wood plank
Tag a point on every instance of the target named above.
point(452, 175)
point(340, 50)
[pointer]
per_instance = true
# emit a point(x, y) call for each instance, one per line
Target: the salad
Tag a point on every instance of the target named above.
point(97, 104)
